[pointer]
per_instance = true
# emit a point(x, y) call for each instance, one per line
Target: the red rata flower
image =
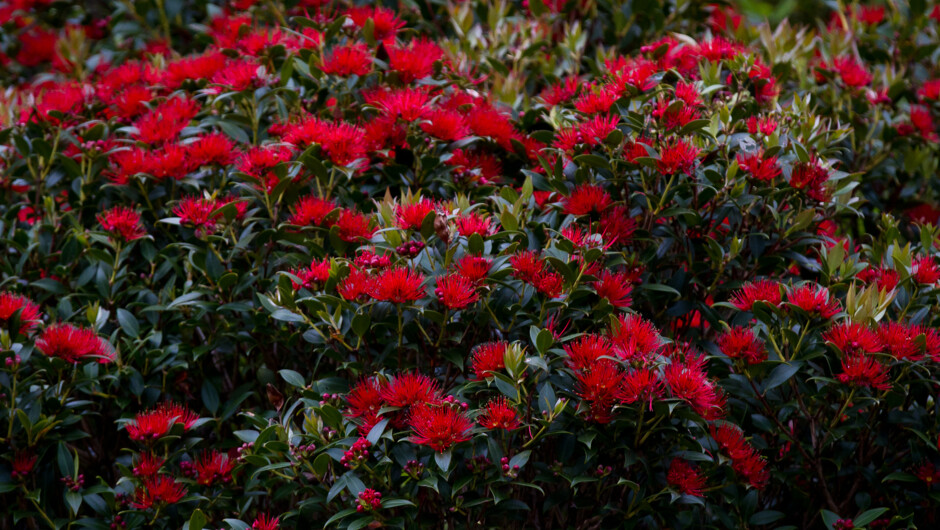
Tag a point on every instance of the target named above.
point(148, 465)
point(642, 385)
point(415, 61)
point(165, 122)
point(23, 464)
point(445, 124)
point(526, 265)
point(411, 216)
point(586, 199)
point(475, 223)
point(561, 91)
point(741, 343)
point(265, 522)
point(439, 427)
point(885, 279)
point(616, 225)
point(29, 314)
point(598, 386)
point(473, 268)
point(74, 344)
point(744, 459)
point(549, 283)
point(597, 129)
point(635, 338)
point(456, 291)
point(585, 351)
point(355, 286)
point(410, 389)
point(488, 357)
point(764, 169)
point(927, 473)
point(924, 270)
point(686, 478)
point(398, 286)
point(761, 291)
point(852, 338)
point(595, 99)
point(852, 72)
point(212, 467)
point(671, 117)
point(864, 371)
point(765, 124)
point(122, 222)
point(690, 384)
point(811, 177)
point(900, 340)
point(316, 274)
point(344, 61)
point(407, 103)
point(354, 226)
point(498, 414)
point(197, 212)
point(311, 211)
point(157, 422)
point(814, 300)
point(615, 287)
point(211, 149)
point(159, 489)
point(385, 23)
point(677, 156)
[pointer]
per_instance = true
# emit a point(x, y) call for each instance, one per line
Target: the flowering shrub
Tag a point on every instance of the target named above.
point(561, 265)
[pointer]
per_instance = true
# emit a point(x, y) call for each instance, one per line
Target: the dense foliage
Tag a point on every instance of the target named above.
point(463, 264)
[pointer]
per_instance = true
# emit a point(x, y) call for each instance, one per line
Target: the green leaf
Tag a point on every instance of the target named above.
point(236, 524)
point(765, 517)
point(395, 503)
point(74, 500)
point(544, 340)
point(829, 518)
point(868, 516)
point(128, 322)
point(293, 378)
point(197, 520)
point(443, 460)
point(781, 374)
point(339, 515)
point(376, 432)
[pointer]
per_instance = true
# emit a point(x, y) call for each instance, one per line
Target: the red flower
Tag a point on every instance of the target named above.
point(671, 117)
point(411, 216)
point(871, 15)
point(595, 130)
point(635, 338)
point(354, 226)
point(811, 178)
point(930, 90)
point(166, 121)
point(74, 344)
point(385, 23)
point(488, 357)
point(445, 124)
point(852, 72)
point(690, 384)
point(197, 211)
point(411, 389)
point(923, 122)
point(864, 371)
point(439, 427)
point(456, 291)
point(885, 279)
point(211, 149)
point(498, 414)
point(595, 99)
point(23, 464)
point(925, 270)
point(122, 222)
point(473, 268)
point(814, 300)
point(741, 343)
point(744, 459)
point(317, 273)
point(365, 399)
point(407, 103)
point(157, 422)
point(761, 291)
point(765, 124)
point(159, 489)
point(927, 473)
point(586, 199)
point(642, 385)
point(29, 314)
point(560, 92)
point(764, 169)
point(598, 386)
point(549, 283)
point(900, 340)
point(356, 285)
point(615, 287)
point(677, 156)
point(616, 225)
point(311, 211)
point(148, 465)
point(526, 265)
point(398, 286)
point(851, 338)
point(416, 61)
point(586, 351)
point(213, 466)
point(474, 223)
point(344, 61)
point(686, 478)
point(265, 522)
